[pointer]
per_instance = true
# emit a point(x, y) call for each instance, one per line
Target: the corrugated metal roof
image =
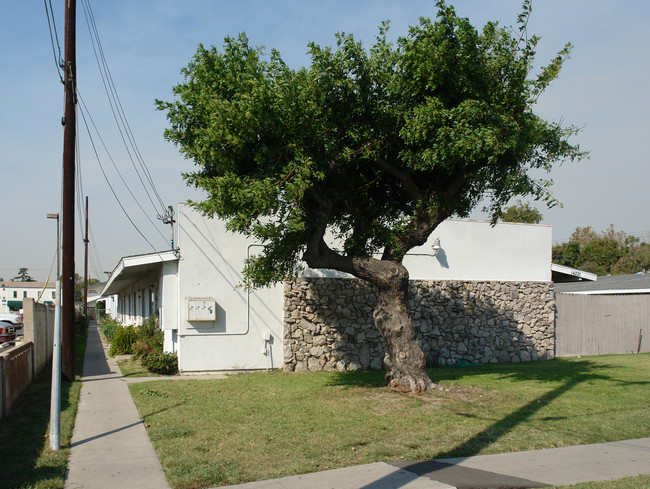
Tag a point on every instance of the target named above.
point(636, 282)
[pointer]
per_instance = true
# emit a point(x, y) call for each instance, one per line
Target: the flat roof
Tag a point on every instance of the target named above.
point(130, 269)
point(610, 284)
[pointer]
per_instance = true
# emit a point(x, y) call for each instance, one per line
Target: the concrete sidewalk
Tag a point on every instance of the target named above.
point(535, 468)
point(111, 448)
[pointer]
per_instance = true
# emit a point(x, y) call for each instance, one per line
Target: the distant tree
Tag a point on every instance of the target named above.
point(568, 254)
point(79, 286)
point(23, 276)
point(599, 253)
point(582, 236)
point(377, 147)
point(521, 212)
point(636, 260)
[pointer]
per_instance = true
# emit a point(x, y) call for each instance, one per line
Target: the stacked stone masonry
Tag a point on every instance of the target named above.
point(328, 323)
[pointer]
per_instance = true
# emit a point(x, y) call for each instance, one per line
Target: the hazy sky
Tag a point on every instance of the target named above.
point(603, 88)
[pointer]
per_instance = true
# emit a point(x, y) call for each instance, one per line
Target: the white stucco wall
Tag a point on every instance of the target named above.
point(476, 250)
point(210, 267)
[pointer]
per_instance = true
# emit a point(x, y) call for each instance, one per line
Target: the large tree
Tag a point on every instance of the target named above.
point(374, 148)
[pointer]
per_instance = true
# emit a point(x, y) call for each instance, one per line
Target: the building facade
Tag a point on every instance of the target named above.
point(468, 281)
point(12, 294)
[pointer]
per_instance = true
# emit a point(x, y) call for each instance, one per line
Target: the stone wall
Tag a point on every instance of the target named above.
point(328, 323)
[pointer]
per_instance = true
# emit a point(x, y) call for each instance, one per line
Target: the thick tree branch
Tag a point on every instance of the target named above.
point(404, 178)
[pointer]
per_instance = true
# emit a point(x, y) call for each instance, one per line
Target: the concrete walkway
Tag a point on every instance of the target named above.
point(111, 449)
point(535, 468)
point(110, 446)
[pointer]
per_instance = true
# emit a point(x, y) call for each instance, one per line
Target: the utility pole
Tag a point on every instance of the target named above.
point(86, 266)
point(169, 219)
point(69, 123)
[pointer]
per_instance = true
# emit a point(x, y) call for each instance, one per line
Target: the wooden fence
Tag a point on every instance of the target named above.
point(599, 324)
point(16, 373)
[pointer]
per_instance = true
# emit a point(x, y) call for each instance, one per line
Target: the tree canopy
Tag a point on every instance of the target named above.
point(521, 212)
point(606, 252)
point(23, 276)
point(375, 147)
point(379, 145)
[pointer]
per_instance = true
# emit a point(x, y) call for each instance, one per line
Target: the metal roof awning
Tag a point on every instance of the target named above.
point(561, 273)
point(15, 304)
point(130, 269)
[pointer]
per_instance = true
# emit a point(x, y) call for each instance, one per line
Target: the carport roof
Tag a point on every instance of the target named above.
point(611, 284)
point(130, 269)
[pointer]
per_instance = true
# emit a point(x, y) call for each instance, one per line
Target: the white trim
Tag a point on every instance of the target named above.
point(134, 261)
point(574, 272)
point(608, 292)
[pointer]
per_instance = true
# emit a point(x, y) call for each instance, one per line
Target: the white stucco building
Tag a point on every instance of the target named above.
point(12, 294)
point(215, 324)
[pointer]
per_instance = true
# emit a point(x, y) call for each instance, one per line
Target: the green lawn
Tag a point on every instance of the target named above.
point(27, 460)
point(266, 425)
point(639, 482)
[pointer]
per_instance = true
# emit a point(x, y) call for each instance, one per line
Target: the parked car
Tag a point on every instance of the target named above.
point(7, 332)
point(16, 320)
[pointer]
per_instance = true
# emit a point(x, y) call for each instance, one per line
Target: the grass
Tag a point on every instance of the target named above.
point(638, 482)
point(267, 425)
point(133, 368)
point(27, 460)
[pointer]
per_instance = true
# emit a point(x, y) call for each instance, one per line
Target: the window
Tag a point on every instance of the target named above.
point(24, 294)
point(53, 295)
point(15, 294)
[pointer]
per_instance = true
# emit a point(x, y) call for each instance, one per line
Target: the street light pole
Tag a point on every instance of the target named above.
point(55, 395)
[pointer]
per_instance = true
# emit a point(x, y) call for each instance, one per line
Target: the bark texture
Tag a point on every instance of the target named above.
point(404, 359)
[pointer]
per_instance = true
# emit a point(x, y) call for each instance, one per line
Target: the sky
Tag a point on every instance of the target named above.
point(602, 89)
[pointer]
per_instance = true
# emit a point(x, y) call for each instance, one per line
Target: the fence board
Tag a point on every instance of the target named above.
point(600, 324)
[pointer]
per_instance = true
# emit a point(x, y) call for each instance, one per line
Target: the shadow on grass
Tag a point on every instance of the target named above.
point(565, 372)
point(23, 432)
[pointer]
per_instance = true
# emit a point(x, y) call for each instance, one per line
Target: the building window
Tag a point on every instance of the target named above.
point(15, 294)
point(53, 295)
point(24, 294)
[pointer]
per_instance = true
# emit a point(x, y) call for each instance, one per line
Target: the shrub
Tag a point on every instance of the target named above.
point(160, 362)
point(81, 324)
point(108, 327)
point(123, 341)
point(150, 338)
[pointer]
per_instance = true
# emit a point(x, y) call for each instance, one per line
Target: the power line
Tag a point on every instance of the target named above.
point(85, 107)
point(118, 110)
point(54, 38)
point(109, 183)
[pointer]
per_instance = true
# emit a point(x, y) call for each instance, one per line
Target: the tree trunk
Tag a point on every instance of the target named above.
point(404, 359)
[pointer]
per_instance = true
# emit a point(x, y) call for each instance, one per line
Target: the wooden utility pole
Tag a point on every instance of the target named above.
point(69, 123)
point(86, 265)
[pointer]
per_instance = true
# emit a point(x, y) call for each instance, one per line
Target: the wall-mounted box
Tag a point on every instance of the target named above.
point(201, 309)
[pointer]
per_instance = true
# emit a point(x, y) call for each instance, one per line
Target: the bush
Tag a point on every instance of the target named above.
point(123, 341)
point(160, 362)
point(108, 327)
point(81, 324)
point(150, 338)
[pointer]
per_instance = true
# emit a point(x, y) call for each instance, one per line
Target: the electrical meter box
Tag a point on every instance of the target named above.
point(201, 309)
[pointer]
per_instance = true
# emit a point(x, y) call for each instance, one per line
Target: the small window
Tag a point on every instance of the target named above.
point(15, 294)
point(24, 294)
point(53, 295)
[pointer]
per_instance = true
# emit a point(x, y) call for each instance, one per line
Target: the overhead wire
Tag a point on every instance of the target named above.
point(124, 128)
point(118, 111)
point(109, 183)
point(54, 37)
point(85, 108)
